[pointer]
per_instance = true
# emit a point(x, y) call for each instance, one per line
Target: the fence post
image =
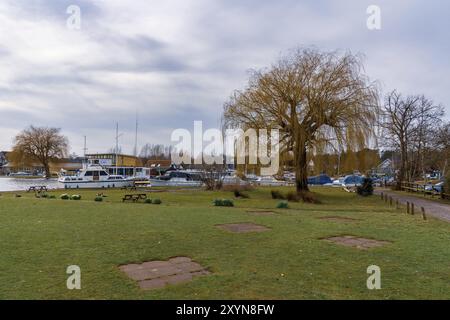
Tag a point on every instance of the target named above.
point(412, 208)
point(423, 214)
point(397, 204)
point(382, 196)
point(407, 207)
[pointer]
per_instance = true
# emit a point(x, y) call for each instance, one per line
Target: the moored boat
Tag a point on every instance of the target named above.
point(93, 176)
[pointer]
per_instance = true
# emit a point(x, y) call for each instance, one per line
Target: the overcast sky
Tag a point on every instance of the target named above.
point(177, 61)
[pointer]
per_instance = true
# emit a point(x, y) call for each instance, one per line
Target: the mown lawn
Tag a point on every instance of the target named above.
point(39, 238)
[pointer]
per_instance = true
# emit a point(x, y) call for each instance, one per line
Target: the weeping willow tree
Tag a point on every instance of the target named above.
point(318, 101)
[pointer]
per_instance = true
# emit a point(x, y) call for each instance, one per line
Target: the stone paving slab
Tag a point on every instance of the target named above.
point(338, 219)
point(260, 212)
point(357, 242)
point(243, 227)
point(158, 274)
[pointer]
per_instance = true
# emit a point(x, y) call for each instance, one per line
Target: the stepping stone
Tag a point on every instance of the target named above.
point(159, 274)
point(338, 219)
point(243, 227)
point(260, 213)
point(357, 242)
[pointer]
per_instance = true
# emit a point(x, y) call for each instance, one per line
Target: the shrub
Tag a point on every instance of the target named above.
point(293, 197)
point(98, 199)
point(148, 200)
point(223, 203)
point(277, 195)
point(366, 188)
point(240, 194)
point(283, 205)
point(227, 203)
point(156, 201)
point(65, 196)
point(75, 197)
point(309, 197)
point(51, 196)
point(239, 187)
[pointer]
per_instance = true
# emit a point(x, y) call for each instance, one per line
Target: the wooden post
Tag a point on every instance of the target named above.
point(423, 214)
point(407, 207)
point(397, 206)
point(390, 201)
point(412, 208)
point(382, 196)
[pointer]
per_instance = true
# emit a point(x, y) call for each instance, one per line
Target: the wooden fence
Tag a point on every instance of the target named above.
point(420, 188)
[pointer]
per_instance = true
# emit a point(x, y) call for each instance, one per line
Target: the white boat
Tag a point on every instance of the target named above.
point(92, 176)
point(177, 179)
point(267, 181)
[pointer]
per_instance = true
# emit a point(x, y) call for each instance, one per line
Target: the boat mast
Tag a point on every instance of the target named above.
point(117, 146)
point(136, 137)
point(135, 145)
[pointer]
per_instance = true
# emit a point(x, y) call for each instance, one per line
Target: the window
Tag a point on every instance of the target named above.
point(103, 173)
point(89, 174)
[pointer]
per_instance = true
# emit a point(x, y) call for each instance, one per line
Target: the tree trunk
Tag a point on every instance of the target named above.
point(46, 169)
point(301, 169)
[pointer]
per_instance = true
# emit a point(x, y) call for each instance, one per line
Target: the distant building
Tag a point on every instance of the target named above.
point(111, 159)
point(120, 164)
point(385, 168)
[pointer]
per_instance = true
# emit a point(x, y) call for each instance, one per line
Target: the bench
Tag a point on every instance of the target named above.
point(134, 197)
point(37, 189)
point(129, 188)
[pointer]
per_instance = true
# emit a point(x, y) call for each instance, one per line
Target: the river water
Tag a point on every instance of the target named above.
point(17, 184)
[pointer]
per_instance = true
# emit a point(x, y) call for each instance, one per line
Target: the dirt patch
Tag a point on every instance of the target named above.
point(357, 242)
point(260, 212)
point(158, 274)
point(338, 219)
point(243, 227)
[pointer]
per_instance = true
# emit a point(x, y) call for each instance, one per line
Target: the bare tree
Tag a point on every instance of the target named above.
point(407, 123)
point(42, 145)
point(317, 99)
point(441, 143)
point(155, 152)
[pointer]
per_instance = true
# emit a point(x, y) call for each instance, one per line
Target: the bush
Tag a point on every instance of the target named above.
point(98, 199)
point(156, 201)
point(223, 203)
point(293, 197)
point(366, 188)
point(283, 205)
point(51, 196)
point(65, 196)
point(240, 194)
point(75, 197)
point(277, 195)
point(148, 200)
point(239, 187)
point(309, 197)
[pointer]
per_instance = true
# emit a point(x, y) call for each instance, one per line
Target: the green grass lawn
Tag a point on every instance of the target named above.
point(39, 238)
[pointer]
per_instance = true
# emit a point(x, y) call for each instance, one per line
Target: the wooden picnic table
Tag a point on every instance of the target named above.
point(129, 188)
point(37, 188)
point(134, 197)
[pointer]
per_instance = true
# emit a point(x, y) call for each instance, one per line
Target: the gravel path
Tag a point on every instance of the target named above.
point(432, 208)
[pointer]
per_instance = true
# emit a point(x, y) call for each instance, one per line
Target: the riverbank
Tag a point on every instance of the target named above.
point(11, 184)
